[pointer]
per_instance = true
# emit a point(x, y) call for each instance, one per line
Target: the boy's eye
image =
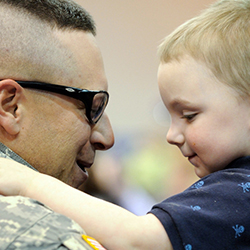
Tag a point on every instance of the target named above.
point(189, 116)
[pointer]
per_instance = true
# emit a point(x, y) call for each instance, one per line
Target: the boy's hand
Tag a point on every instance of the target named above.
point(15, 178)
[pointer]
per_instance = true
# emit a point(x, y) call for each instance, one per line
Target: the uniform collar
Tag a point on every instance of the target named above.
point(6, 152)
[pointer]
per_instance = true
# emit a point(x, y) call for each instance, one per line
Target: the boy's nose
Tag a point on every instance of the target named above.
point(174, 136)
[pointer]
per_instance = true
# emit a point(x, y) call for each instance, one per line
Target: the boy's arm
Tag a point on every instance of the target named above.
point(111, 225)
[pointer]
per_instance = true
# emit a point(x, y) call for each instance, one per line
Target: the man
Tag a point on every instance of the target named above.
point(52, 98)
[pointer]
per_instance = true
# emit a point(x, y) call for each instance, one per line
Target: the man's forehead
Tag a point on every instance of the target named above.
point(83, 57)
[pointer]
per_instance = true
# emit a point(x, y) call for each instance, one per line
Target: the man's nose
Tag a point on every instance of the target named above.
point(175, 136)
point(102, 136)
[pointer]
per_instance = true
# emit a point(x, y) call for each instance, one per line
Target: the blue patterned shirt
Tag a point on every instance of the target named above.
point(211, 214)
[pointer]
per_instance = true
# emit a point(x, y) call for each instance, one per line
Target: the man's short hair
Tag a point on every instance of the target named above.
point(63, 14)
point(29, 47)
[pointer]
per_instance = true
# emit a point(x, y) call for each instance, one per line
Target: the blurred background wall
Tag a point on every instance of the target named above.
point(141, 168)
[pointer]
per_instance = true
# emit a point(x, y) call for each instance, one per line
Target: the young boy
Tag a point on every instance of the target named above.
point(204, 80)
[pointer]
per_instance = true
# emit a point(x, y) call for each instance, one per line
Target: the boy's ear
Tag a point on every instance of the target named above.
point(10, 96)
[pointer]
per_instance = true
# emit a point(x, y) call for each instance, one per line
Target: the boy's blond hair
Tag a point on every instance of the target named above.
point(218, 37)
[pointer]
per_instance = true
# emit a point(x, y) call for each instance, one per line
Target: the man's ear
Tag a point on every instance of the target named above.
point(10, 96)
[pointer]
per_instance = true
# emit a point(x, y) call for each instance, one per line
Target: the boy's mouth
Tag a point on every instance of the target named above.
point(191, 158)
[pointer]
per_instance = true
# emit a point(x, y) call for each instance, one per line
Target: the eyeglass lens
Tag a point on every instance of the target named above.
point(98, 105)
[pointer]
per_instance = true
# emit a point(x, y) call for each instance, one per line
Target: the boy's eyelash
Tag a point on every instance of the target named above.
point(189, 116)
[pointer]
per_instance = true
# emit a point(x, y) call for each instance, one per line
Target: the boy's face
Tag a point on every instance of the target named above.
point(210, 123)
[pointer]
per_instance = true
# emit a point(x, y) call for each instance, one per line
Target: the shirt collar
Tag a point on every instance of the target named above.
point(242, 162)
point(6, 152)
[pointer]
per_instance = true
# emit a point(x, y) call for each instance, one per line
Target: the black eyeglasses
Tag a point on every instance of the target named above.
point(95, 101)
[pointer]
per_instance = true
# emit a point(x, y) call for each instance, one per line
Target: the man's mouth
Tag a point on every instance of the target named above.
point(83, 165)
point(81, 174)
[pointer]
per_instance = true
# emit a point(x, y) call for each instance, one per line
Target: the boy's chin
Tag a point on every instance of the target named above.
point(201, 171)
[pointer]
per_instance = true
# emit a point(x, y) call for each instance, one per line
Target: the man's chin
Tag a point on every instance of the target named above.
point(78, 178)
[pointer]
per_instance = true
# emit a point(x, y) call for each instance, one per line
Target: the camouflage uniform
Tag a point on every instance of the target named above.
point(29, 224)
